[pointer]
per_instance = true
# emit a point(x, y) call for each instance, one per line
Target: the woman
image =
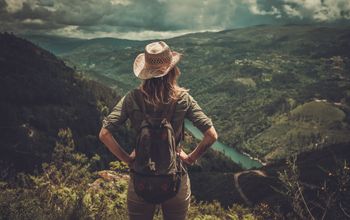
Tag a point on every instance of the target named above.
point(158, 71)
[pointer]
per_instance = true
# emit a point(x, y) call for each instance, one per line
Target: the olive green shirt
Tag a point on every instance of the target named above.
point(128, 108)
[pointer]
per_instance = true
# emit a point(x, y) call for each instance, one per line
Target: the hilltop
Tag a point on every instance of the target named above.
point(258, 84)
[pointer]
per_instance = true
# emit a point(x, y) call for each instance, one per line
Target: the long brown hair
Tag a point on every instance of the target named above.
point(162, 90)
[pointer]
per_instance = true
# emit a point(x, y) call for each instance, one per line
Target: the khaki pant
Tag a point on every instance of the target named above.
point(173, 209)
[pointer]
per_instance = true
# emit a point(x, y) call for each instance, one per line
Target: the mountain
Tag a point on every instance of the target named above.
point(39, 96)
point(271, 91)
point(61, 45)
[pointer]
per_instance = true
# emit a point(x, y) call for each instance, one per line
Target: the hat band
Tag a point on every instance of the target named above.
point(156, 61)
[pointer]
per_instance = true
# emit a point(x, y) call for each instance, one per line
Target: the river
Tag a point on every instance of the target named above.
point(245, 161)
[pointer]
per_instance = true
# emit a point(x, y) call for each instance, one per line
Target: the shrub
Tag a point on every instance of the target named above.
point(329, 200)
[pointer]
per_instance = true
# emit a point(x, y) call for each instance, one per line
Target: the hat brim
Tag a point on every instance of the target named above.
point(142, 71)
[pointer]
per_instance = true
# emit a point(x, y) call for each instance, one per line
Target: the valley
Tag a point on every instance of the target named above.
point(253, 82)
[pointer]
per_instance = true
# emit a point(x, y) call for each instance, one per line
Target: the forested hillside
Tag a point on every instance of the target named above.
point(271, 91)
point(39, 95)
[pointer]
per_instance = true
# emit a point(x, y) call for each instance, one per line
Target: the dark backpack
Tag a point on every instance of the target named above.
point(156, 170)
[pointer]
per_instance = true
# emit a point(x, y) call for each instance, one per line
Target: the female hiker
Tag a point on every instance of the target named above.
point(156, 110)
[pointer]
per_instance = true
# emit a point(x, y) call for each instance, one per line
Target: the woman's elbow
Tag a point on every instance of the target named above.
point(103, 133)
point(212, 134)
point(215, 135)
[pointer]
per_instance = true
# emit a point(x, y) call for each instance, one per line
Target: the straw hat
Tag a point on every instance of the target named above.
point(156, 62)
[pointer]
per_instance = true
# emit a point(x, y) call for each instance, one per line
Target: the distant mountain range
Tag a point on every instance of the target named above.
point(61, 45)
point(271, 91)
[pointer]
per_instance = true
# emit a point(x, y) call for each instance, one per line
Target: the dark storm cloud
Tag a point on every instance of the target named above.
point(2, 5)
point(160, 17)
point(146, 15)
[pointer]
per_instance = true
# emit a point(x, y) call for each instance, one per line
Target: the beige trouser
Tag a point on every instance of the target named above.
point(173, 209)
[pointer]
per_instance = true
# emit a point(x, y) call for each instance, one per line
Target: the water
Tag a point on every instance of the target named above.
point(237, 157)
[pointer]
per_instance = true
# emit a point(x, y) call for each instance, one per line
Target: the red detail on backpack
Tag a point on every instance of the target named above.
point(165, 186)
point(141, 186)
point(164, 134)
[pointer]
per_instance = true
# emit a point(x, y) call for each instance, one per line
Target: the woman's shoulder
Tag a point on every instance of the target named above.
point(131, 93)
point(183, 94)
point(130, 99)
point(184, 98)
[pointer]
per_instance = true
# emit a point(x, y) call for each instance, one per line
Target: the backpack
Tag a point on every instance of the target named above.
point(156, 170)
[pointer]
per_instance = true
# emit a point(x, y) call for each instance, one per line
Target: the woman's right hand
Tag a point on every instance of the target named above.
point(186, 157)
point(131, 158)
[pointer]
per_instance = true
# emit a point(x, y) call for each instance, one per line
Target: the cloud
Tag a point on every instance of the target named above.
point(292, 12)
point(256, 9)
point(146, 18)
point(33, 21)
point(103, 16)
point(14, 5)
point(76, 31)
point(318, 10)
point(120, 2)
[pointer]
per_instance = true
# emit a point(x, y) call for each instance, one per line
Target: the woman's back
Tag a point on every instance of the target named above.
point(131, 107)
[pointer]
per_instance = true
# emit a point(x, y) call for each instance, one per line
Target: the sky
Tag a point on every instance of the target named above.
point(151, 19)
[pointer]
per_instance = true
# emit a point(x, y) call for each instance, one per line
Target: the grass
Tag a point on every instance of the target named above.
point(309, 126)
point(323, 112)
